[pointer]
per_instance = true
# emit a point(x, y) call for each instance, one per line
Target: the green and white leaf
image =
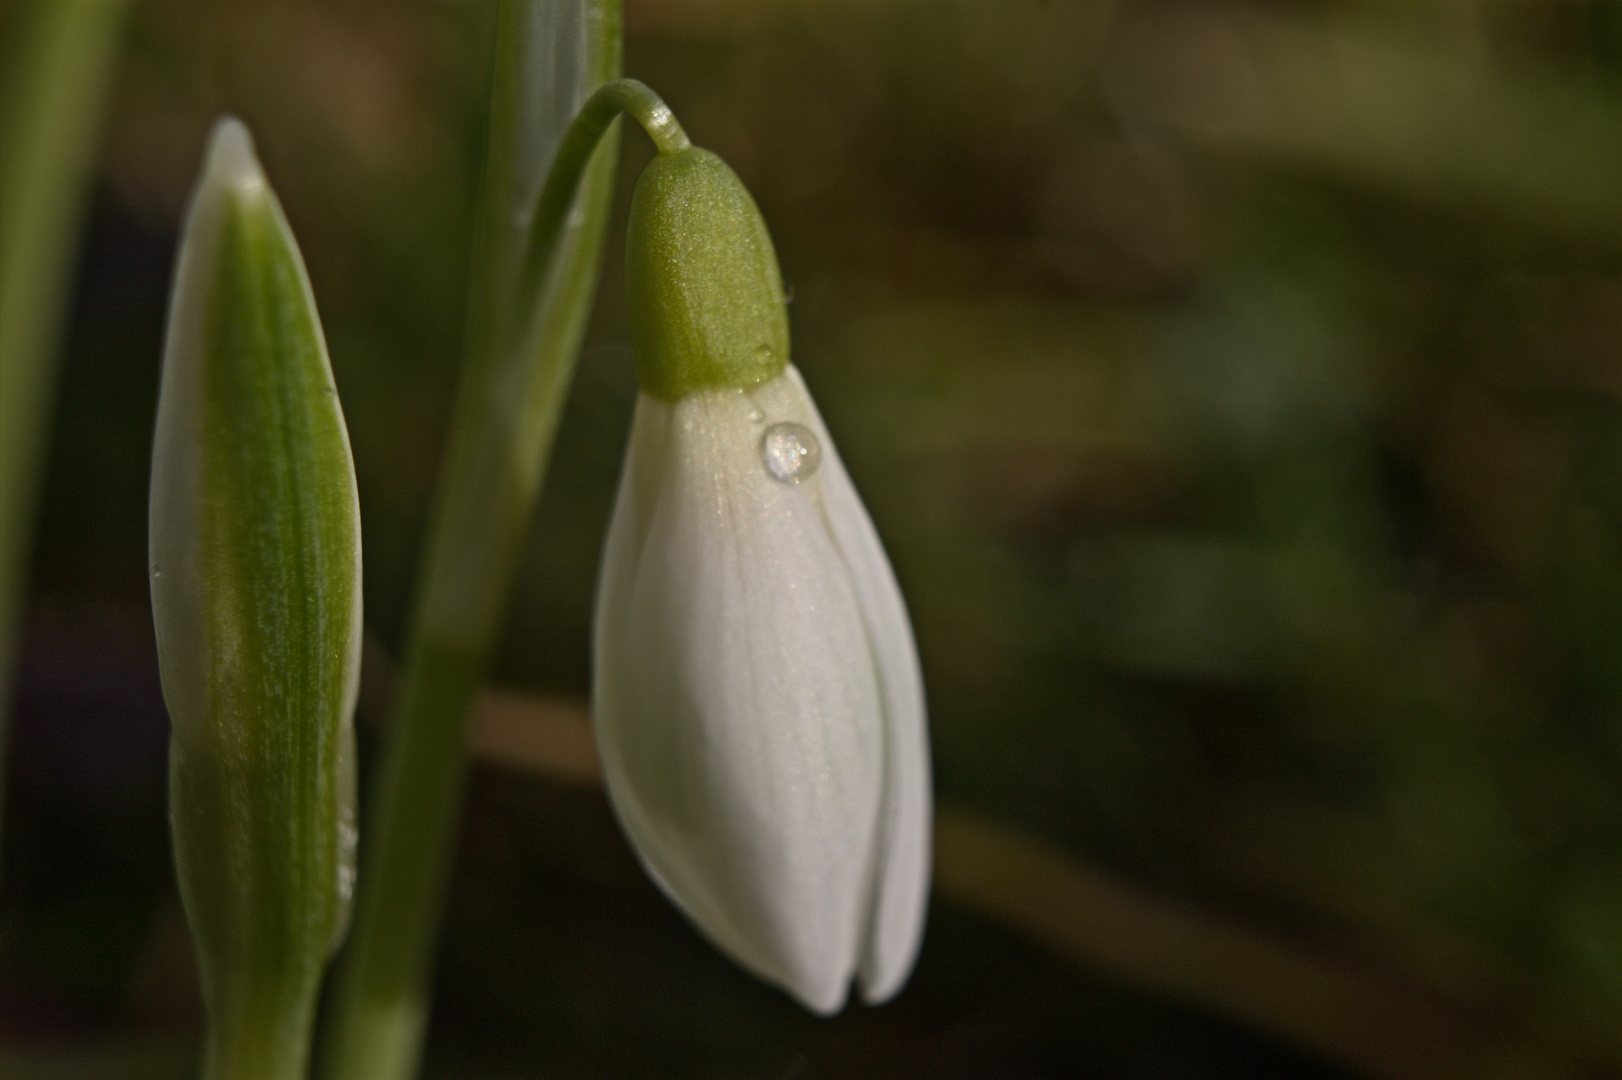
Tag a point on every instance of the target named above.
point(256, 592)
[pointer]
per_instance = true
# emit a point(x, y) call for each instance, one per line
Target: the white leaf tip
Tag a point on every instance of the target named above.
point(231, 161)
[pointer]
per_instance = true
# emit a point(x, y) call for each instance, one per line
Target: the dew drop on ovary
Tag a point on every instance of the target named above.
point(791, 452)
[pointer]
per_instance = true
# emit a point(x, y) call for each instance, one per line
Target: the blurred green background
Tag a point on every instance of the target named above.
point(1238, 389)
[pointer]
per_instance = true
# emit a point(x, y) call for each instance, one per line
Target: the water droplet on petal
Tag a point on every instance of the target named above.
point(756, 416)
point(791, 452)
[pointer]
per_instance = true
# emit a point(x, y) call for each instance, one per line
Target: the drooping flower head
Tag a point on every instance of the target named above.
point(759, 708)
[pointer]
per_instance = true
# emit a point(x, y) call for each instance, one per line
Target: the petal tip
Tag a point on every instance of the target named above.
point(825, 1001)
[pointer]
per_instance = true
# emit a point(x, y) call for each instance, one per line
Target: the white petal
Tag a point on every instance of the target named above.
point(739, 709)
point(901, 890)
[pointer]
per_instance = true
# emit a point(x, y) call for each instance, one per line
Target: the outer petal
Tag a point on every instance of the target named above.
point(739, 706)
point(901, 888)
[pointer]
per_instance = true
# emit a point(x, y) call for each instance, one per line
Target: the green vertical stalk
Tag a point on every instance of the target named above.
point(49, 123)
point(521, 348)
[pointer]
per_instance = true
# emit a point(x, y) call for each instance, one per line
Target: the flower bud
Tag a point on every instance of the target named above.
point(759, 708)
point(256, 595)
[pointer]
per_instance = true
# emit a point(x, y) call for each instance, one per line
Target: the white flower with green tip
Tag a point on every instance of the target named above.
point(759, 708)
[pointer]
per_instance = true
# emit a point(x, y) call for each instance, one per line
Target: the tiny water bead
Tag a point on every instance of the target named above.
point(791, 452)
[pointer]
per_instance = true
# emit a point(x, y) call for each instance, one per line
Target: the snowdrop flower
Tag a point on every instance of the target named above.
point(759, 709)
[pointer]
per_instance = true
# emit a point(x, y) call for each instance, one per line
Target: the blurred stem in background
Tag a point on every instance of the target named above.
point(50, 118)
point(522, 341)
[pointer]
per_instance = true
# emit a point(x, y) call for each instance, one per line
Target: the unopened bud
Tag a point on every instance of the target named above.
point(256, 594)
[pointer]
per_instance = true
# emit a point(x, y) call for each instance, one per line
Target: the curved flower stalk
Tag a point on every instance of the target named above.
point(759, 708)
point(256, 596)
point(534, 274)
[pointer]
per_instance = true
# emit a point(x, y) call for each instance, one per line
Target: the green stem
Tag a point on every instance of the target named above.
point(262, 1035)
point(596, 116)
point(52, 113)
point(524, 332)
point(382, 1005)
